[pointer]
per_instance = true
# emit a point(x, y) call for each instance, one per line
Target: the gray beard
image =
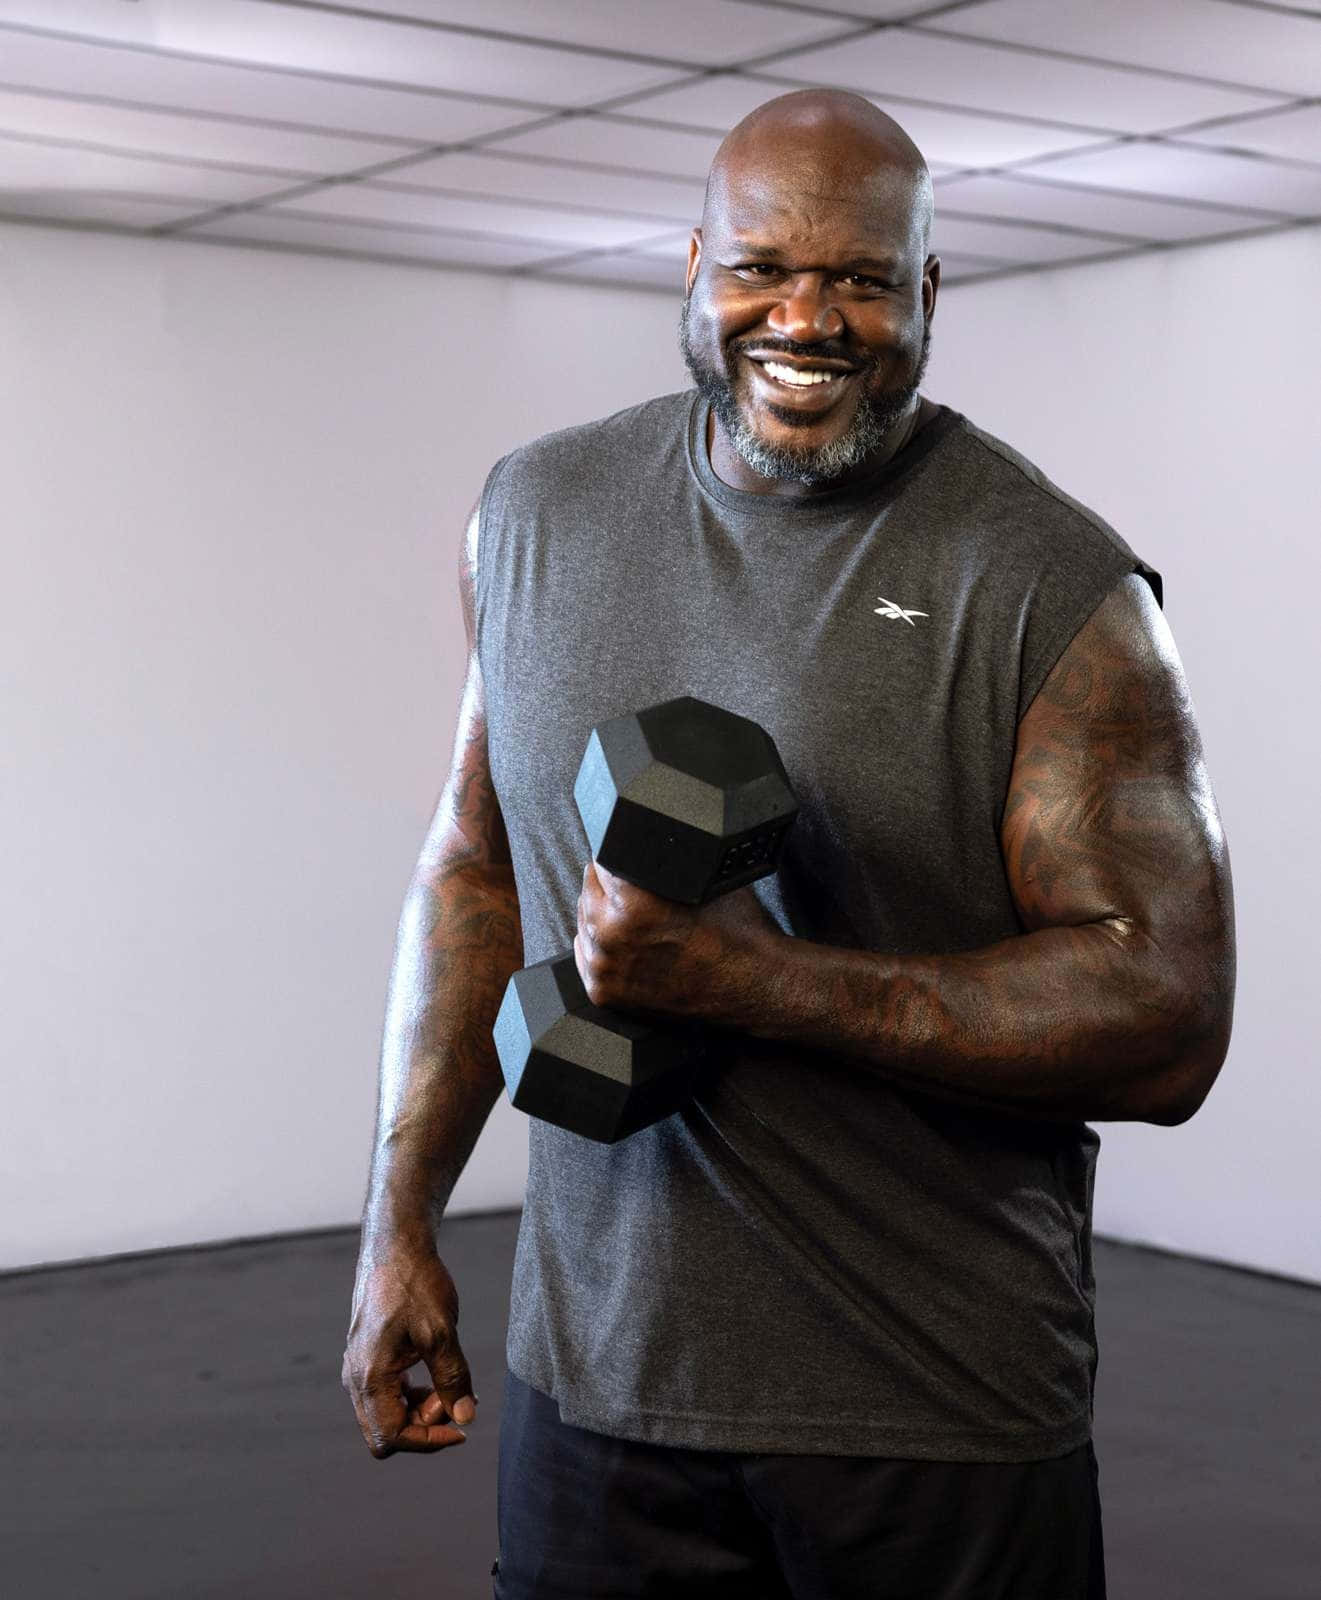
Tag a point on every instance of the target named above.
point(872, 422)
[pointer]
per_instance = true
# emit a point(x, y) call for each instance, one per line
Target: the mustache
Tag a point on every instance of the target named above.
point(823, 349)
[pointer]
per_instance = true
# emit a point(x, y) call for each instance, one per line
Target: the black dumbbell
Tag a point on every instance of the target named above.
point(690, 802)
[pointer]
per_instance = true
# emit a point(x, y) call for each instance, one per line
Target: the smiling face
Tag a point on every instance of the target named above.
point(810, 293)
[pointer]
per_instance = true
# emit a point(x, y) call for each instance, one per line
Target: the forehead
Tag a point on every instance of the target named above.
point(802, 205)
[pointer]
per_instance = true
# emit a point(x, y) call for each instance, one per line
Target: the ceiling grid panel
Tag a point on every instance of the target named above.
point(998, 78)
point(349, 105)
point(571, 140)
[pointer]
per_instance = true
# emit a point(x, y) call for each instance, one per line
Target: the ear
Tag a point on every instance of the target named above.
point(930, 285)
point(694, 259)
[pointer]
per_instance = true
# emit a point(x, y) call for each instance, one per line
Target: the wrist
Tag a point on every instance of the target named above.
point(402, 1208)
point(757, 971)
point(388, 1234)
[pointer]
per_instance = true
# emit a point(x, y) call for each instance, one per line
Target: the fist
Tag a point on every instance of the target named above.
point(639, 952)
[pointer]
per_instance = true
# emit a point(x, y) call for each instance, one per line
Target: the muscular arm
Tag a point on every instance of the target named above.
point(1113, 1003)
point(459, 939)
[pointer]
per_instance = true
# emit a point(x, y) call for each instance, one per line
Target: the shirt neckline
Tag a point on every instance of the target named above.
point(877, 487)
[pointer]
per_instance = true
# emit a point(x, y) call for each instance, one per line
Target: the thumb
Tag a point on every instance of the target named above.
point(453, 1382)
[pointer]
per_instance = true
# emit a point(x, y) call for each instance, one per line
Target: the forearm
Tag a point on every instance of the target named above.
point(1091, 1022)
point(459, 939)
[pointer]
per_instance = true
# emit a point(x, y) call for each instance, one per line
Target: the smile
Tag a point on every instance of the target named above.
point(799, 377)
point(807, 389)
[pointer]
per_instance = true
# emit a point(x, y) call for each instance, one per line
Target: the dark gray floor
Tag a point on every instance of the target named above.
point(174, 1429)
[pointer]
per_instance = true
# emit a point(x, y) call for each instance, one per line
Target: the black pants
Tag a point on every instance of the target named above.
point(583, 1516)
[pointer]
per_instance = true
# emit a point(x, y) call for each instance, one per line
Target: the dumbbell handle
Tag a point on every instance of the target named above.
point(605, 1074)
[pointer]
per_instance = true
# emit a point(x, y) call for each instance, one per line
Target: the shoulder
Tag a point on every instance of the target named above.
point(1008, 473)
point(1029, 516)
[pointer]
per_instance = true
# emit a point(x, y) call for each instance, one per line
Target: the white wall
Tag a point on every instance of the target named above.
point(1177, 393)
point(230, 651)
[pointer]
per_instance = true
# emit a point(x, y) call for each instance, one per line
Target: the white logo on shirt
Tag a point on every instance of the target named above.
point(887, 608)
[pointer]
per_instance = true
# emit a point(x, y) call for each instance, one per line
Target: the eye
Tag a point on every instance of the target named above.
point(860, 280)
point(755, 270)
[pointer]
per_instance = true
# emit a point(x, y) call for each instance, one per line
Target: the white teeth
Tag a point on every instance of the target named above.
point(796, 376)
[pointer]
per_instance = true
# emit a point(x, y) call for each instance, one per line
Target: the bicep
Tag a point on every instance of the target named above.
point(1110, 816)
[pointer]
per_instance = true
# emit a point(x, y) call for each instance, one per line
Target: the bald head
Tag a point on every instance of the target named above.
point(830, 144)
point(834, 144)
point(810, 291)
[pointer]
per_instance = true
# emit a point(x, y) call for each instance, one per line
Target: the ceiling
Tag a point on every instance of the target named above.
point(569, 138)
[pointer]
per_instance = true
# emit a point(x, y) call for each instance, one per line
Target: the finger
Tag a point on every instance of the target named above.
point(423, 1425)
point(594, 898)
point(608, 887)
point(427, 1427)
point(424, 1404)
point(382, 1412)
point(420, 1438)
point(453, 1382)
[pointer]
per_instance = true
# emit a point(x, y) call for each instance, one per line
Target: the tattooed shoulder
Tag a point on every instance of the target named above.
point(1108, 799)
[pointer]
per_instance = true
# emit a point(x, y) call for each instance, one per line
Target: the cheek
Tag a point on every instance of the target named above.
point(895, 340)
point(704, 327)
point(725, 317)
point(910, 325)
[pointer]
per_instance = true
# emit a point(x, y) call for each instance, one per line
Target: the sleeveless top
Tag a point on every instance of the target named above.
point(807, 1258)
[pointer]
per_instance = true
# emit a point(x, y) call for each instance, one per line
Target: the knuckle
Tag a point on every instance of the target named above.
point(447, 1363)
point(438, 1335)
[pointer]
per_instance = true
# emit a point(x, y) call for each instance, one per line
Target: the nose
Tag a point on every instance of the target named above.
point(805, 311)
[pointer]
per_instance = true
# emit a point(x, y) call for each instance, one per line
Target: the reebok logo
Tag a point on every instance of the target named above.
point(888, 608)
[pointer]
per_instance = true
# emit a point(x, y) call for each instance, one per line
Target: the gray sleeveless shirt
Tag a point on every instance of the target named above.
point(808, 1258)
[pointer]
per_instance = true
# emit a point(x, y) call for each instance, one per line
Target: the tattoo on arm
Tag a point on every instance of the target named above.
point(1111, 825)
point(1115, 1000)
point(1110, 815)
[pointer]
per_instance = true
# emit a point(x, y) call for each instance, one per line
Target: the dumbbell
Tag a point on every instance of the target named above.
point(689, 801)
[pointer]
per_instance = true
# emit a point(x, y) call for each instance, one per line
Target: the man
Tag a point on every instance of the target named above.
point(828, 1331)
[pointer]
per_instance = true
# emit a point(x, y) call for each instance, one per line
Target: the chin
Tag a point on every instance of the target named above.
point(781, 425)
point(811, 451)
point(791, 428)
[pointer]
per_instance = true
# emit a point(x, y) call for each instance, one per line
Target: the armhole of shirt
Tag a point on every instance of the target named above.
point(1154, 580)
point(1073, 625)
point(480, 562)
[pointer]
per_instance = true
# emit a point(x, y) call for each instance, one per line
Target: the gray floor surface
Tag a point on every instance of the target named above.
point(174, 1429)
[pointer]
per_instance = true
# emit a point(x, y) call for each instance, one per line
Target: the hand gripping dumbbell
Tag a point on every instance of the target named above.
point(690, 802)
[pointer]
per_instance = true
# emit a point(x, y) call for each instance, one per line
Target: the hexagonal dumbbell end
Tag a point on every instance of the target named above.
point(685, 799)
point(598, 1073)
